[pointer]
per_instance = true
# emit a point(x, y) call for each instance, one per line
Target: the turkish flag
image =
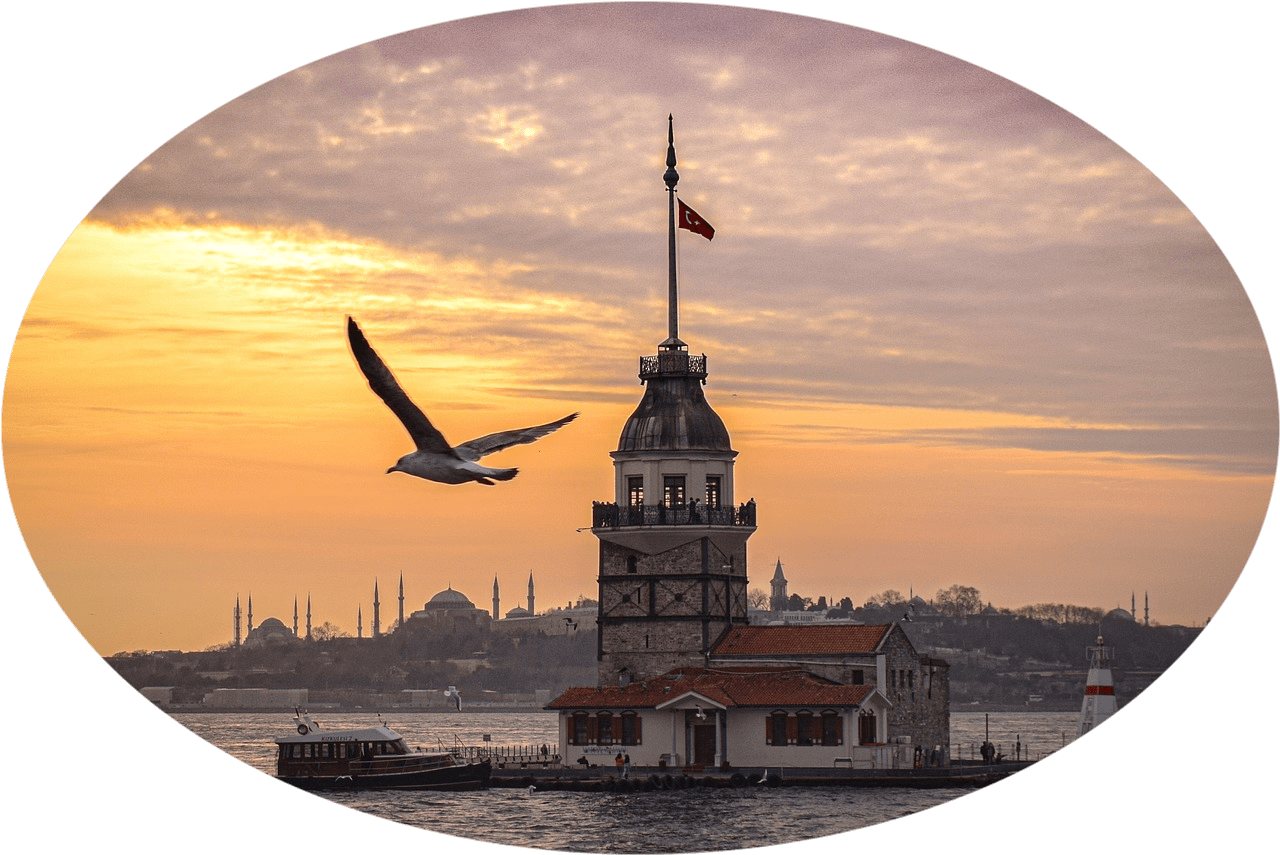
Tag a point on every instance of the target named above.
point(689, 219)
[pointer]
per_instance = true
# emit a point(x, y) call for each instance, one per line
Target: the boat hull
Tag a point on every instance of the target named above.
point(470, 776)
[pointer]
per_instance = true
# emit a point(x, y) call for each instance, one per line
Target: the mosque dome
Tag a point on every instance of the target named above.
point(518, 611)
point(272, 625)
point(450, 599)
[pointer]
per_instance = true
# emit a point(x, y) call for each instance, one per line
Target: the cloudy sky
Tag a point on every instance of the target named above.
point(958, 335)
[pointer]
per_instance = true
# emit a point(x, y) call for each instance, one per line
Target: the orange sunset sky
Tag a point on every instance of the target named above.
point(958, 336)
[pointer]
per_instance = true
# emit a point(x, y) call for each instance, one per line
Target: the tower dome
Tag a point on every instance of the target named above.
point(674, 414)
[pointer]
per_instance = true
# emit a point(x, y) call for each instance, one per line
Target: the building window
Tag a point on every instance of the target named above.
point(713, 491)
point(832, 728)
point(601, 729)
point(804, 728)
point(630, 728)
point(855, 678)
point(867, 728)
point(777, 733)
point(631, 564)
point(635, 490)
point(579, 734)
point(673, 491)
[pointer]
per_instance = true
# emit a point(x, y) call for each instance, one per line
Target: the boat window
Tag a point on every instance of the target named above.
point(398, 747)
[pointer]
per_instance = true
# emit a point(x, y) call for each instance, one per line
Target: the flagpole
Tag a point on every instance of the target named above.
point(671, 177)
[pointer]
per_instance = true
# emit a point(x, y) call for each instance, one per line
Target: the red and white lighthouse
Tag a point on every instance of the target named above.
point(1099, 691)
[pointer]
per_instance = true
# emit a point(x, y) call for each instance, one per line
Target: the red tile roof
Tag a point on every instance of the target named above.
point(838, 640)
point(729, 687)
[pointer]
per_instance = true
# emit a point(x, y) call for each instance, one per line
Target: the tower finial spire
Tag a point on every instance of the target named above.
point(671, 177)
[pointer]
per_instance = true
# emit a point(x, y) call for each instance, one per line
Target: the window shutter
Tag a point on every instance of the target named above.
point(593, 730)
point(768, 730)
point(638, 739)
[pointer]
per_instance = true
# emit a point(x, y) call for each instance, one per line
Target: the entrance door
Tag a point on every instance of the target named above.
point(704, 744)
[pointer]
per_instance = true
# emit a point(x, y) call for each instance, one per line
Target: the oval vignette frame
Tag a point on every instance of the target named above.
point(72, 686)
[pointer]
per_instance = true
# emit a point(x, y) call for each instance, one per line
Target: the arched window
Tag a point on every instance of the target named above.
point(804, 728)
point(867, 734)
point(832, 728)
point(604, 728)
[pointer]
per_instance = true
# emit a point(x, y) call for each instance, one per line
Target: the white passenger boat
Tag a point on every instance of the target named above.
point(369, 758)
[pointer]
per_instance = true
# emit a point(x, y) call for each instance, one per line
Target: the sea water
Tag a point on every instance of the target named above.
point(690, 820)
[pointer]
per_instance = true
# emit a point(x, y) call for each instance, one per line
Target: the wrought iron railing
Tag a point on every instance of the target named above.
point(673, 363)
point(613, 515)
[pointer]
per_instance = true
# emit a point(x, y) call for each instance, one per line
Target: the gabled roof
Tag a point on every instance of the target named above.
point(834, 640)
point(723, 687)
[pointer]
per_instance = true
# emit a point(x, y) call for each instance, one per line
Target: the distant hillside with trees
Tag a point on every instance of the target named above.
point(998, 657)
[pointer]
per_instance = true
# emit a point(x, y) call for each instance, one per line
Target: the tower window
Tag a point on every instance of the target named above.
point(713, 491)
point(635, 490)
point(631, 564)
point(673, 491)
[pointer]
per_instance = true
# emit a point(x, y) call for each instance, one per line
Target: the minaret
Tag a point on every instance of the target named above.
point(778, 592)
point(673, 546)
point(400, 616)
point(376, 630)
point(249, 628)
point(1146, 609)
point(1099, 692)
point(496, 613)
point(1133, 604)
point(236, 614)
point(308, 617)
point(295, 617)
point(359, 622)
point(531, 611)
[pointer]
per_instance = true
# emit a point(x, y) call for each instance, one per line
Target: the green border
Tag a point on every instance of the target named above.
point(1185, 87)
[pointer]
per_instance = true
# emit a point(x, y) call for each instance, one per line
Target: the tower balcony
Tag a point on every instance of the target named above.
point(607, 515)
point(673, 363)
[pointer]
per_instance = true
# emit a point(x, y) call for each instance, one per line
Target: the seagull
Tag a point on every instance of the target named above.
point(435, 459)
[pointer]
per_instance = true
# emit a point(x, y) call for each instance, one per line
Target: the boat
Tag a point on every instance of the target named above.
point(369, 758)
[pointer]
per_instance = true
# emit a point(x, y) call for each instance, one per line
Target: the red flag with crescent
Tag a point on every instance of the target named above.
point(691, 220)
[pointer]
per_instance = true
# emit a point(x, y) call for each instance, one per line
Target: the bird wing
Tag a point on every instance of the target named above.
point(384, 385)
point(474, 449)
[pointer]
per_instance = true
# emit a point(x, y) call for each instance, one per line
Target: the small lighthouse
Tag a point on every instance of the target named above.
point(1099, 691)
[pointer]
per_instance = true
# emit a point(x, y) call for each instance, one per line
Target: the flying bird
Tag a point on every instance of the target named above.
point(435, 459)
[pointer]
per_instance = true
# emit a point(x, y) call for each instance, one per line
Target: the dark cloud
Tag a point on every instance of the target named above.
point(894, 225)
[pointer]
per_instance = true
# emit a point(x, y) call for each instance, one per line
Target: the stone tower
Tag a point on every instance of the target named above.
point(778, 590)
point(673, 545)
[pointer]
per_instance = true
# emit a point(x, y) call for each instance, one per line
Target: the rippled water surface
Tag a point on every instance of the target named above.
point(674, 820)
